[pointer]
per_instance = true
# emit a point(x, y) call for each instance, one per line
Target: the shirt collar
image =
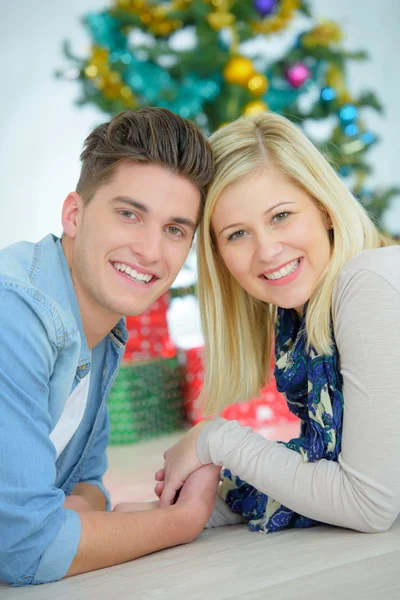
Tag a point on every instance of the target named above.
point(84, 358)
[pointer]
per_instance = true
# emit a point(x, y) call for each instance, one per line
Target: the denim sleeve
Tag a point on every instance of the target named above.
point(39, 538)
point(97, 463)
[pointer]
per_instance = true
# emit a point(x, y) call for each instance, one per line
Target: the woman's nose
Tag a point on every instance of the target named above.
point(269, 248)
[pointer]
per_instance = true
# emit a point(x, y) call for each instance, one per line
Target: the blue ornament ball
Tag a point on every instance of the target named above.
point(265, 7)
point(351, 129)
point(348, 113)
point(344, 171)
point(367, 138)
point(328, 94)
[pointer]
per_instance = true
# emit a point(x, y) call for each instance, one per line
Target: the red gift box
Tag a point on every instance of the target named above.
point(269, 409)
point(148, 335)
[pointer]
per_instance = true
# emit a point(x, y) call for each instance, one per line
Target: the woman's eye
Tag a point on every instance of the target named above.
point(236, 235)
point(280, 217)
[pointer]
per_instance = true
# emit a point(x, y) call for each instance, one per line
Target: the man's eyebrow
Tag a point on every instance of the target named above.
point(142, 207)
point(183, 221)
point(130, 201)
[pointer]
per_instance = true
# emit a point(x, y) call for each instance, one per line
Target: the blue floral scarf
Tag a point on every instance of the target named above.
point(312, 384)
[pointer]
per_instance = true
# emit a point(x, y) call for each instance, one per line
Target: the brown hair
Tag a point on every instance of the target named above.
point(151, 135)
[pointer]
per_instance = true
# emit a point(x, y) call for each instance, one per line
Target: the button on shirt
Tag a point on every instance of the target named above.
point(43, 358)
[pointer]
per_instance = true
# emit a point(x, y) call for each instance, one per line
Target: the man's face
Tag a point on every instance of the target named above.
point(132, 239)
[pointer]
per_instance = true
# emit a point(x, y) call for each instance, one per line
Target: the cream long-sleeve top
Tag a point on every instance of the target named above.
point(362, 490)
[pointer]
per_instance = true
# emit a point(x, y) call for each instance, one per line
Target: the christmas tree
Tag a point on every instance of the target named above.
point(214, 60)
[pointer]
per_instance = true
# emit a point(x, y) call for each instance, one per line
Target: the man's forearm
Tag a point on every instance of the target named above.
point(111, 538)
point(92, 494)
point(85, 497)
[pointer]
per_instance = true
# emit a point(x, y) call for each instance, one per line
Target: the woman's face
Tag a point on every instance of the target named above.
point(273, 238)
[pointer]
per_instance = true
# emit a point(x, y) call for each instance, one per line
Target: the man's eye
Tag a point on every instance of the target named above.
point(175, 231)
point(236, 235)
point(128, 214)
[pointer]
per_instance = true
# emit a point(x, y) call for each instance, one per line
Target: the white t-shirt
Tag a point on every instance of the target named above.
point(72, 415)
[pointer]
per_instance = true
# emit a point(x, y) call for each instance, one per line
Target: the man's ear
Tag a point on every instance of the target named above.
point(72, 214)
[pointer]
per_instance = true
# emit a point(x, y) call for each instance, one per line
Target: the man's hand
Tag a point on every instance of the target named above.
point(180, 461)
point(197, 495)
point(200, 489)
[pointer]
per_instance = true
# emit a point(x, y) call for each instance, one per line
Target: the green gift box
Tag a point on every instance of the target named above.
point(145, 401)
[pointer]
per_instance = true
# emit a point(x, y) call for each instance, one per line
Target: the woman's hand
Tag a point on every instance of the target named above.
point(180, 461)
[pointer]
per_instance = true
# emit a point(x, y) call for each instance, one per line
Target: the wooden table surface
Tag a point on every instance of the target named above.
point(230, 562)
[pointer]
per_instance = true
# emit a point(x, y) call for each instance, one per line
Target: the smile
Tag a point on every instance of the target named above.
point(143, 278)
point(284, 271)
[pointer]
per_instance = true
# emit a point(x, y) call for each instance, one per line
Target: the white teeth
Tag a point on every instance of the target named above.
point(290, 268)
point(139, 277)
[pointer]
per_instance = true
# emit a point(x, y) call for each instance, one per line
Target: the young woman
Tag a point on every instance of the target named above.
point(288, 256)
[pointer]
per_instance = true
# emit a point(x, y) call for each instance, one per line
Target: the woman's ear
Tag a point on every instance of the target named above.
point(328, 221)
point(329, 227)
point(71, 214)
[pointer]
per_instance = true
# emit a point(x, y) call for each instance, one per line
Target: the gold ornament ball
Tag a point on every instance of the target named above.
point(258, 84)
point(91, 71)
point(219, 20)
point(255, 108)
point(239, 70)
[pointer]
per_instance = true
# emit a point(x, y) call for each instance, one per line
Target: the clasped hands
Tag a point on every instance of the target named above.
point(180, 461)
point(183, 479)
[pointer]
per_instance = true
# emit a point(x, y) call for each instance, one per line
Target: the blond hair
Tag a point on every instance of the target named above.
point(238, 328)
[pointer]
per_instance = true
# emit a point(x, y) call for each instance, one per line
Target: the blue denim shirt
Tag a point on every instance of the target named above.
point(43, 356)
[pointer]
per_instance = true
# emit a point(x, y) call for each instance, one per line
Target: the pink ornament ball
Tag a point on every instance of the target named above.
point(297, 74)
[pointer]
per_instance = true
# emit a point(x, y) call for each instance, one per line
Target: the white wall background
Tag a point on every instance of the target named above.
point(42, 131)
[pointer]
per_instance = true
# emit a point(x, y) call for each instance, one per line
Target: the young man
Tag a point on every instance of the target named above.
point(127, 231)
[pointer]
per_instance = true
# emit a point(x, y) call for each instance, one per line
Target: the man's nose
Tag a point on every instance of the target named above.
point(147, 245)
